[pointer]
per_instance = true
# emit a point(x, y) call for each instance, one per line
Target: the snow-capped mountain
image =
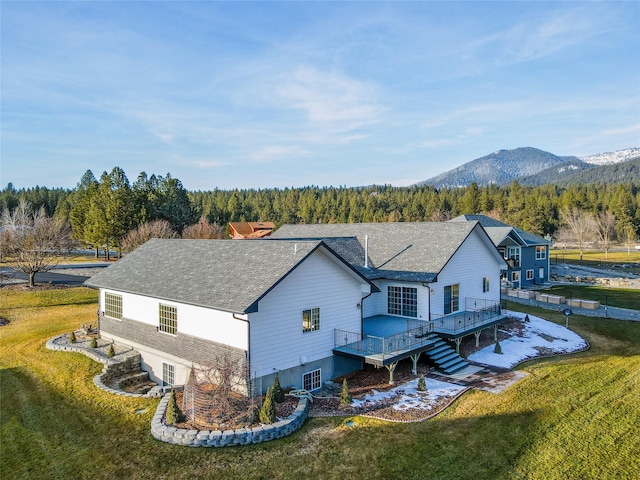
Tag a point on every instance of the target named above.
point(609, 158)
point(530, 166)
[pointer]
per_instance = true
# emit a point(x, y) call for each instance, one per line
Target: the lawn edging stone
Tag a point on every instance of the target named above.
point(218, 438)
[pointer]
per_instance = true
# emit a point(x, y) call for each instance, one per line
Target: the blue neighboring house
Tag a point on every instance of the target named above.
point(527, 255)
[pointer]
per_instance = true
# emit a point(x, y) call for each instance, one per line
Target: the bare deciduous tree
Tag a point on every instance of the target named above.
point(204, 230)
point(34, 242)
point(581, 225)
point(147, 231)
point(219, 394)
point(605, 228)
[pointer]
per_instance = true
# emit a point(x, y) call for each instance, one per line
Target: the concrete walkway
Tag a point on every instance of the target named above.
point(604, 312)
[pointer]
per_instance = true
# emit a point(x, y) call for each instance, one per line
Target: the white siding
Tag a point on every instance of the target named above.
point(470, 264)
point(277, 339)
point(199, 322)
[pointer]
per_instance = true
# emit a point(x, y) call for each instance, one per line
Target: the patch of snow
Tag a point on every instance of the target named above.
point(537, 334)
point(408, 396)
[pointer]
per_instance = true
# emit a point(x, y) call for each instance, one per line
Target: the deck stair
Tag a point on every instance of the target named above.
point(446, 358)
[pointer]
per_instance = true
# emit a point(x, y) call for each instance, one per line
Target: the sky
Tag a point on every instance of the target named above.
point(289, 94)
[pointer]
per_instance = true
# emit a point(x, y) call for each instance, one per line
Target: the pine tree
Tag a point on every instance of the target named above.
point(268, 409)
point(345, 396)
point(72, 337)
point(94, 343)
point(278, 393)
point(111, 352)
point(497, 348)
point(173, 415)
point(422, 383)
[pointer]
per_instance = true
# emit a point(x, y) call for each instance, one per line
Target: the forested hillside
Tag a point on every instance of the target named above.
point(105, 210)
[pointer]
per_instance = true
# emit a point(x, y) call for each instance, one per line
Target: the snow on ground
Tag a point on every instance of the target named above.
point(408, 396)
point(539, 337)
point(536, 338)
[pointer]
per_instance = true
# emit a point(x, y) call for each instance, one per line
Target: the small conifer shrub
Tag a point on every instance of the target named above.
point(278, 393)
point(72, 337)
point(345, 396)
point(497, 348)
point(94, 343)
point(268, 410)
point(173, 415)
point(422, 383)
point(111, 352)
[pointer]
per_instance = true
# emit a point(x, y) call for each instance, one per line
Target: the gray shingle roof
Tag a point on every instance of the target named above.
point(496, 230)
point(411, 251)
point(229, 275)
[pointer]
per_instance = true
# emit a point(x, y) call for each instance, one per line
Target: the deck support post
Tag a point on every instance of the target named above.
point(477, 334)
point(495, 332)
point(458, 341)
point(414, 359)
point(391, 367)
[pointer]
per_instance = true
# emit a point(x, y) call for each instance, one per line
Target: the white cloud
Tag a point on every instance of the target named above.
point(331, 102)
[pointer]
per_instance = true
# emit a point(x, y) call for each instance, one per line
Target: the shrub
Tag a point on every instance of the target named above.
point(497, 348)
point(422, 383)
point(345, 396)
point(72, 337)
point(268, 409)
point(276, 389)
point(111, 352)
point(94, 343)
point(173, 415)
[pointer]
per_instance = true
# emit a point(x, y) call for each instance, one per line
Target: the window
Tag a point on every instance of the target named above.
point(485, 284)
point(402, 301)
point(168, 374)
point(513, 256)
point(113, 305)
point(451, 298)
point(311, 320)
point(168, 319)
point(312, 380)
point(541, 252)
point(529, 274)
point(515, 276)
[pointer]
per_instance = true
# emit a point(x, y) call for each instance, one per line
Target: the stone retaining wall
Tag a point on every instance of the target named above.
point(217, 438)
point(122, 364)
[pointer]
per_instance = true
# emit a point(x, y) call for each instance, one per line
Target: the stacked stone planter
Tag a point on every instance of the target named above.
point(218, 438)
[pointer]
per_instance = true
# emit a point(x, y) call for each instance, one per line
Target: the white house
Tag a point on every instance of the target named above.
point(180, 303)
point(444, 277)
point(313, 302)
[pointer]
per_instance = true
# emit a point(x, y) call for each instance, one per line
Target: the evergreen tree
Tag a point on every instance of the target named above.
point(111, 352)
point(268, 410)
point(497, 348)
point(345, 396)
point(94, 343)
point(278, 393)
point(422, 383)
point(173, 414)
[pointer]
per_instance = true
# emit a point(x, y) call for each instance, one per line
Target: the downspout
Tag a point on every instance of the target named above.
point(362, 312)
point(248, 342)
point(427, 285)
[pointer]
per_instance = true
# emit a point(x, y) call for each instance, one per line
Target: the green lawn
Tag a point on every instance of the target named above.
point(573, 417)
point(614, 297)
point(598, 258)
